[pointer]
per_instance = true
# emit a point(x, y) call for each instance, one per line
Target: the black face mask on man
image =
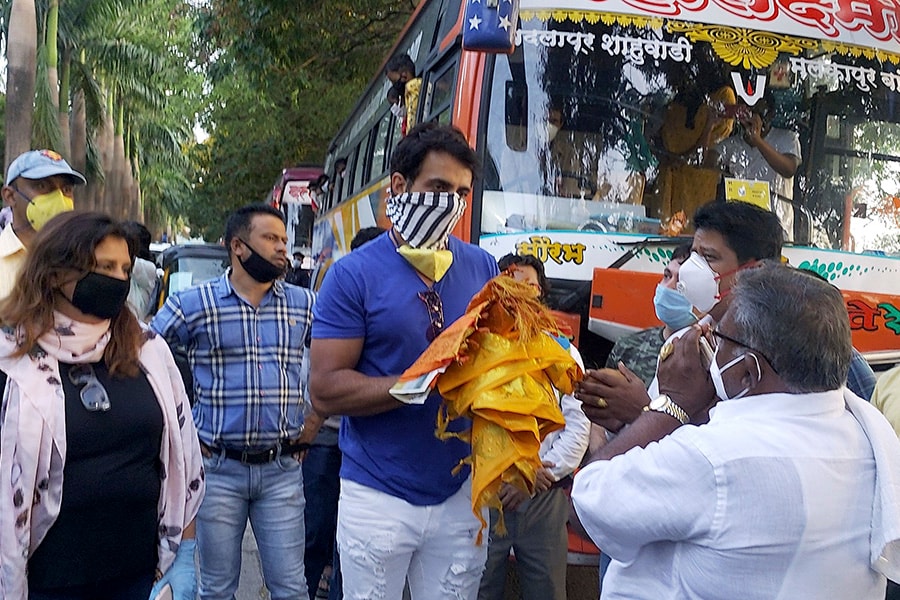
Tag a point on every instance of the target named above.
point(100, 295)
point(259, 268)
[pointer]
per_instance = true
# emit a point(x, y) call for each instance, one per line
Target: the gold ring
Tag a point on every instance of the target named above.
point(666, 351)
point(602, 403)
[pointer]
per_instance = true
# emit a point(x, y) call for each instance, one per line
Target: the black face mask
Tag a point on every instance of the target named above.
point(100, 295)
point(259, 268)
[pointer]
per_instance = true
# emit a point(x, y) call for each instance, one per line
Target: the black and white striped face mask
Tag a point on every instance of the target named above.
point(425, 219)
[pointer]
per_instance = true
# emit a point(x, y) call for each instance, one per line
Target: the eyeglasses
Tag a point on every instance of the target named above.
point(435, 308)
point(93, 395)
point(718, 334)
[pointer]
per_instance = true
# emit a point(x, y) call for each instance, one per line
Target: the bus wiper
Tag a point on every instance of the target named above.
point(638, 246)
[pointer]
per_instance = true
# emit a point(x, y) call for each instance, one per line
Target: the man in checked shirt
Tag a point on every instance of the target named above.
point(245, 334)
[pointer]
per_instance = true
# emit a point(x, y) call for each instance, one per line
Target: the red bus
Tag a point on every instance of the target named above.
point(294, 196)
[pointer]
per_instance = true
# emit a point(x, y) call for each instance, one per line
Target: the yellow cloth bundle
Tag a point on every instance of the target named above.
point(501, 371)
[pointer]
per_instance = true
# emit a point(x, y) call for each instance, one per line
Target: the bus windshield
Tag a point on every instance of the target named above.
point(628, 124)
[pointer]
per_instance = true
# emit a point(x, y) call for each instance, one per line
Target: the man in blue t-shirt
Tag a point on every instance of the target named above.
point(405, 506)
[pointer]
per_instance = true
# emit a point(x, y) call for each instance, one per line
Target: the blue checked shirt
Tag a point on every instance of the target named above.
point(246, 361)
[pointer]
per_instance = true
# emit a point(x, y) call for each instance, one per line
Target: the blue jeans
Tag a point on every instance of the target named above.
point(322, 486)
point(271, 496)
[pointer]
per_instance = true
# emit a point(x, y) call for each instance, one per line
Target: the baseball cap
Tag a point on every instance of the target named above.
point(38, 164)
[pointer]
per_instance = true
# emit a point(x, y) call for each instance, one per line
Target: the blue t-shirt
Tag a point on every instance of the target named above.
point(372, 293)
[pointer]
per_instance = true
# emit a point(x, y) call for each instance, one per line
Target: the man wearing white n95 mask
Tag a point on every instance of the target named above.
point(791, 490)
point(729, 237)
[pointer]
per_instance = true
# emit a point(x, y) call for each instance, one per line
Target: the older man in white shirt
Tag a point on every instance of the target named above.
point(792, 490)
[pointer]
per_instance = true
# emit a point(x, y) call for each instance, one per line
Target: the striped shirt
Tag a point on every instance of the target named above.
point(246, 360)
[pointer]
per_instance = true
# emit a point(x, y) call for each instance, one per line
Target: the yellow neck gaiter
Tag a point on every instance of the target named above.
point(430, 263)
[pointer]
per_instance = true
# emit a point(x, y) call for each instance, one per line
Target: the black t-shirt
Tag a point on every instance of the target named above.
point(111, 484)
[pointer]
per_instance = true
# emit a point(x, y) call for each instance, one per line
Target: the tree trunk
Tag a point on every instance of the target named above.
point(21, 56)
point(78, 147)
point(115, 175)
point(63, 105)
point(53, 51)
point(105, 141)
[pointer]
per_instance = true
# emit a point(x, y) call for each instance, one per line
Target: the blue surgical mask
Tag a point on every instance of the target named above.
point(672, 308)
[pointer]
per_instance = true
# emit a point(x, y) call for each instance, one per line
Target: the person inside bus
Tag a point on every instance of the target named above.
point(401, 69)
point(318, 189)
point(572, 160)
point(394, 97)
point(764, 153)
point(333, 186)
point(689, 128)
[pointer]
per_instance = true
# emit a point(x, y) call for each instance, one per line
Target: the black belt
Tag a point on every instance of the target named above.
point(258, 457)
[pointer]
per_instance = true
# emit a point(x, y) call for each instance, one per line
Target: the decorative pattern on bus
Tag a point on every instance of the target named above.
point(864, 316)
point(833, 270)
point(735, 45)
point(742, 47)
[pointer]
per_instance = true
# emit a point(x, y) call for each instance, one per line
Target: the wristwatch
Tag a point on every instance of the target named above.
point(664, 404)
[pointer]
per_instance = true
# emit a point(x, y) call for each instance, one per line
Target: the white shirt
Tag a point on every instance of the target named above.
point(12, 259)
point(143, 284)
point(566, 447)
point(772, 499)
point(747, 162)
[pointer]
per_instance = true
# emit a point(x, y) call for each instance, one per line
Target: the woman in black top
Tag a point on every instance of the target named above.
point(100, 475)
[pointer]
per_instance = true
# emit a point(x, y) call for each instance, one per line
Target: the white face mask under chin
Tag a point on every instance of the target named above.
point(715, 373)
point(698, 282)
point(552, 130)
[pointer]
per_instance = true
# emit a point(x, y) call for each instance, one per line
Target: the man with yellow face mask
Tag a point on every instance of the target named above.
point(405, 504)
point(39, 185)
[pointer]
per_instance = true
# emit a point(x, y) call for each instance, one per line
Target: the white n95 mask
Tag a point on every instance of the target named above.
point(698, 282)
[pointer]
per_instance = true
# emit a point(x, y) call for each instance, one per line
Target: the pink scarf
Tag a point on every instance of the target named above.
point(33, 443)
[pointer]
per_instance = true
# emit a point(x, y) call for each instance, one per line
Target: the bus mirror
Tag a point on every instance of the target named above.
point(516, 115)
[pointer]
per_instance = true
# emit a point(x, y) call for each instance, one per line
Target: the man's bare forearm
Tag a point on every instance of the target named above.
point(351, 393)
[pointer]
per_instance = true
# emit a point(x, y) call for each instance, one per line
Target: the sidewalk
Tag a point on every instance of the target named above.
point(251, 586)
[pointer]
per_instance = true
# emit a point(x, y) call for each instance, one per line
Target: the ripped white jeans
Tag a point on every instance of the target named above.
point(384, 541)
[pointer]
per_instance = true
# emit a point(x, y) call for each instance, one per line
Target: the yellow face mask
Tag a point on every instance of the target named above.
point(44, 207)
point(430, 263)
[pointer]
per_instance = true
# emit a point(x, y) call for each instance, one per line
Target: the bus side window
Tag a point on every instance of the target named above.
point(439, 93)
point(379, 147)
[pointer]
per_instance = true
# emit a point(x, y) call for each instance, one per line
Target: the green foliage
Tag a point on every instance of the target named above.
point(44, 126)
point(284, 75)
point(269, 80)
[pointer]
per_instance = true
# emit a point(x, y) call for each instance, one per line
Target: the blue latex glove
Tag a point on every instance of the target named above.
point(182, 575)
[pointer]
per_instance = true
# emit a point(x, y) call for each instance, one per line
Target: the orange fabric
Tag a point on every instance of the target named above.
point(501, 371)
